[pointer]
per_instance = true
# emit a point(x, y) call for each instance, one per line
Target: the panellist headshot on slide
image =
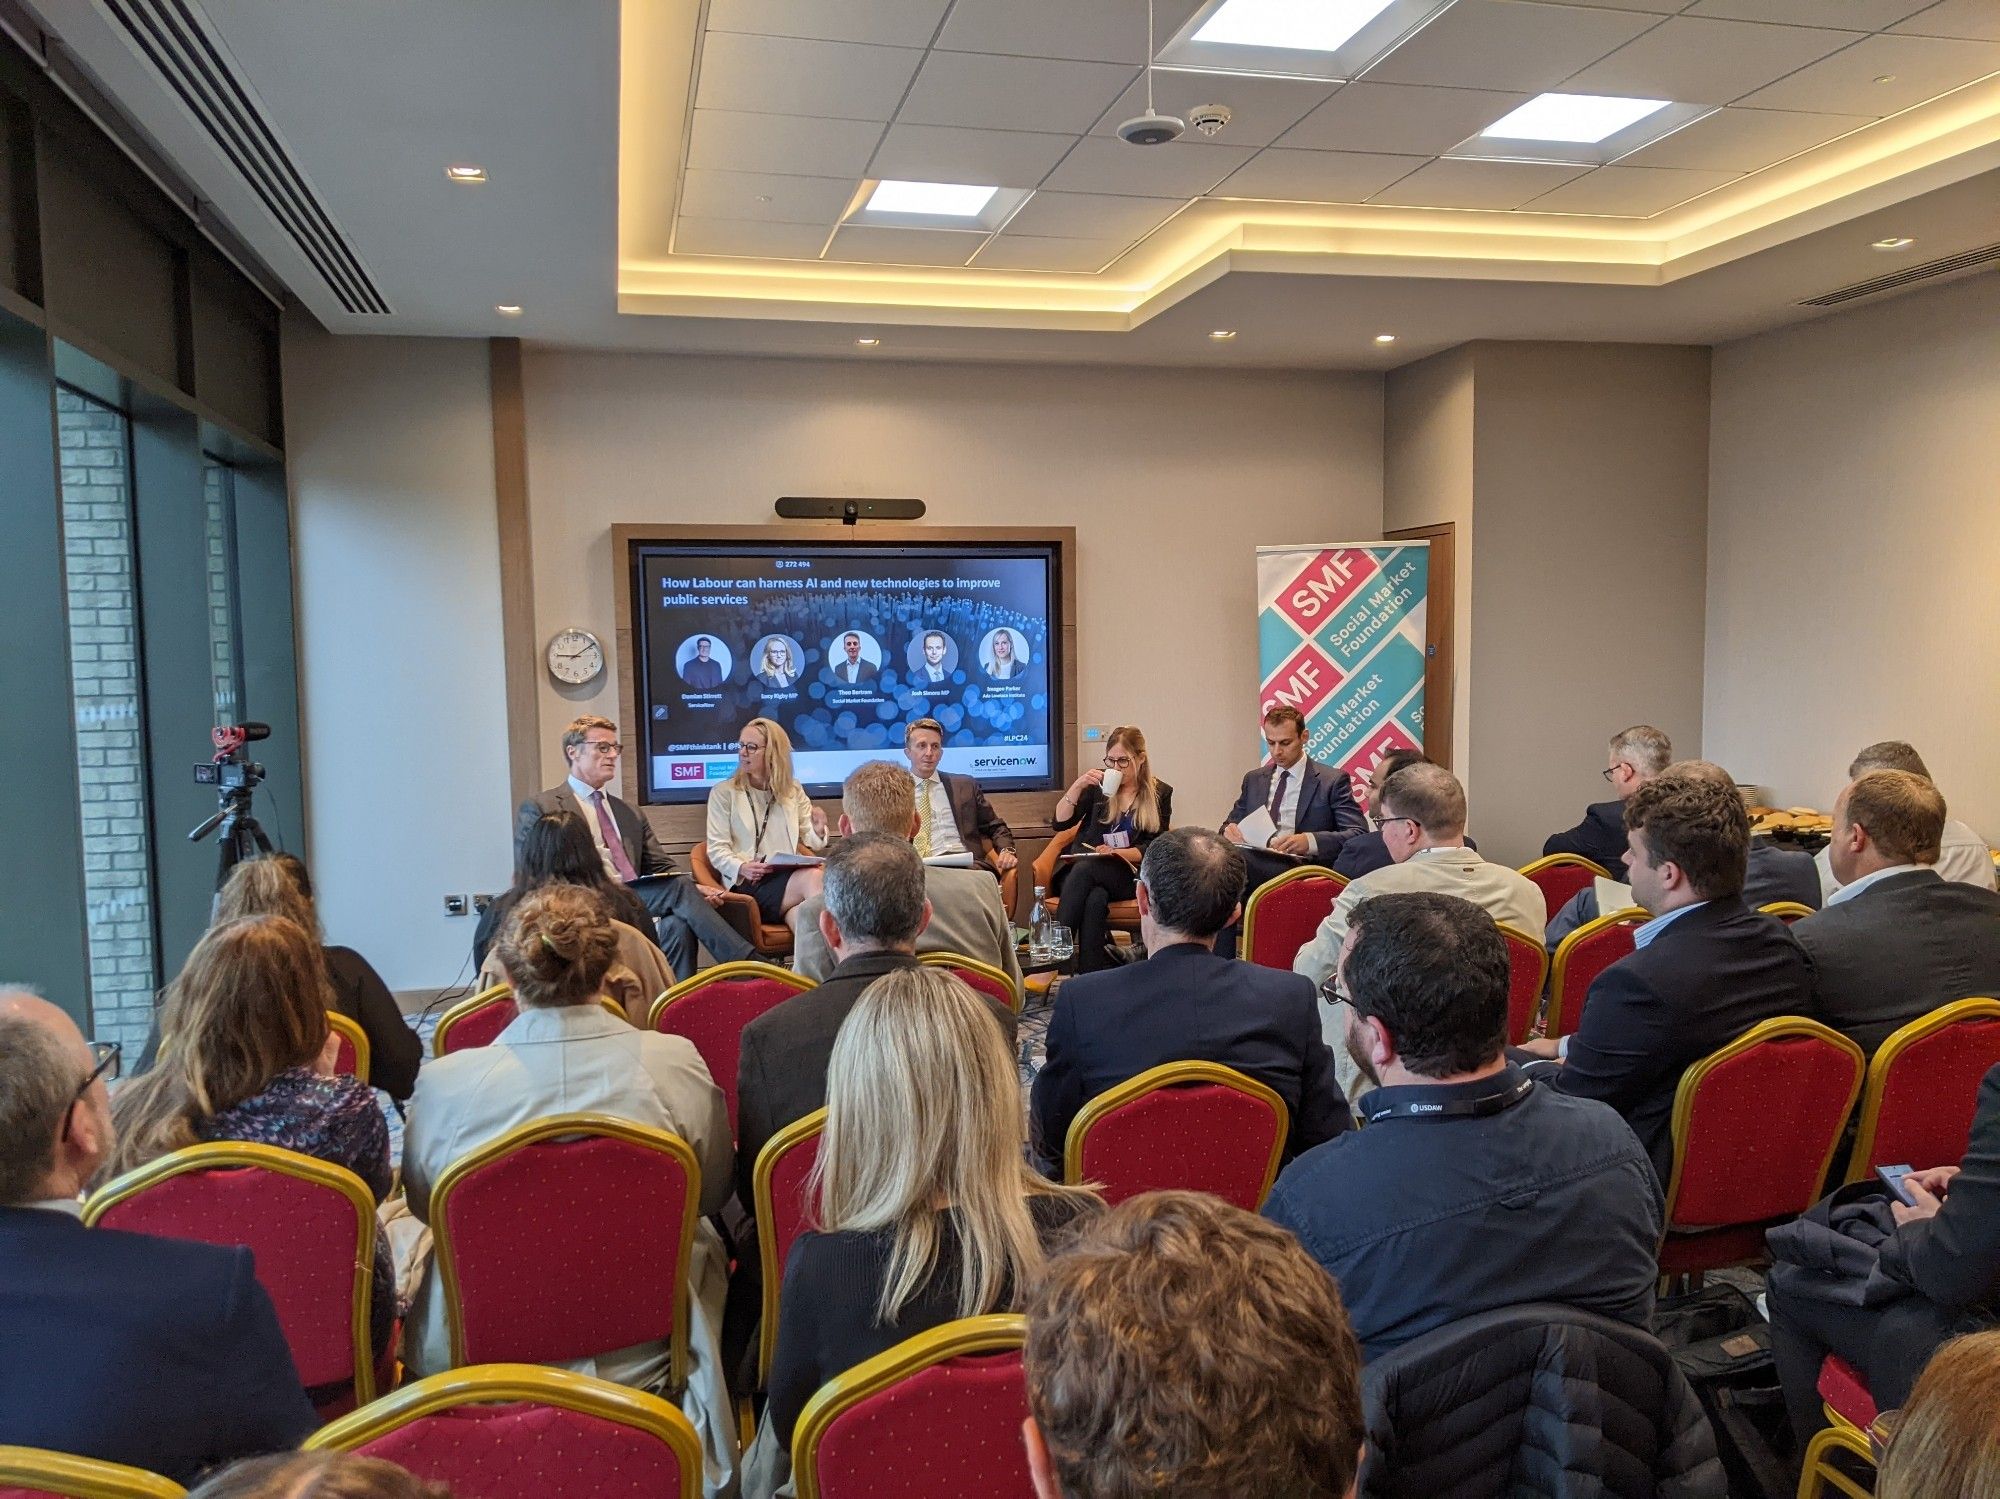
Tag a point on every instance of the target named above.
point(1003, 654)
point(776, 663)
point(932, 656)
point(703, 662)
point(853, 656)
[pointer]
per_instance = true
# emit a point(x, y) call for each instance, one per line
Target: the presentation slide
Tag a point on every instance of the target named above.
point(844, 645)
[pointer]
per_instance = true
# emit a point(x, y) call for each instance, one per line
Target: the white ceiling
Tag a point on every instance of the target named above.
point(794, 103)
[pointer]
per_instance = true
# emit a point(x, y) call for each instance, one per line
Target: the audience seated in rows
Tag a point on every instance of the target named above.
point(1178, 1345)
point(1183, 1003)
point(1366, 852)
point(563, 1054)
point(1704, 970)
point(246, 1054)
point(1636, 755)
point(317, 1475)
point(967, 917)
point(1896, 940)
point(154, 1353)
point(1962, 854)
point(1423, 827)
point(555, 849)
point(1946, 1444)
point(1771, 874)
point(1471, 1187)
point(926, 1209)
point(1884, 1289)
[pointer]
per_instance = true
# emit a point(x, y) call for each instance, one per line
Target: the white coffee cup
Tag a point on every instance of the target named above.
point(1109, 785)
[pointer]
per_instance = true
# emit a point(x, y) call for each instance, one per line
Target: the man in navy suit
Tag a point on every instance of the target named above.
point(1186, 1004)
point(1312, 806)
point(1773, 874)
point(157, 1353)
point(1706, 967)
point(1637, 755)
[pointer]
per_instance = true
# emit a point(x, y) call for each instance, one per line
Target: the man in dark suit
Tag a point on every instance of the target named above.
point(953, 814)
point(685, 910)
point(1706, 967)
point(703, 672)
point(158, 1353)
point(1772, 874)
point(1637, 755)
point(1185, 1003)
point(850, 667)
point(1312, 806)
point(1364, 853)
point(1896, 940)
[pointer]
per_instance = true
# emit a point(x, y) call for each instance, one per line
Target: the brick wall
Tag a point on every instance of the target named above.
point(100, 566)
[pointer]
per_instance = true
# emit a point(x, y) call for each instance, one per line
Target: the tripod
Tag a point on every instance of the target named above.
point(242, 837)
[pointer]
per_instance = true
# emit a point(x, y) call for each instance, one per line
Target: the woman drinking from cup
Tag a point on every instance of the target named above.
point(1117, 810)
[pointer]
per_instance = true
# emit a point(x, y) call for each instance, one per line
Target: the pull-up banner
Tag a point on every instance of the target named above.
point(1340, 637)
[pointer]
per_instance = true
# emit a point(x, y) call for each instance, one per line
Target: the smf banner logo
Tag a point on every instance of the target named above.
point(1340, 637)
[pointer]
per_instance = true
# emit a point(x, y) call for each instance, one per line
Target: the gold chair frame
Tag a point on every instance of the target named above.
point(793, 1134)
point(1247, 936)
point(356, 1038)
point(1943, 1018)
point(1171, 1075)
point(742, 968)
point(1559, 965)
point(80, 1477)
point(986, 970)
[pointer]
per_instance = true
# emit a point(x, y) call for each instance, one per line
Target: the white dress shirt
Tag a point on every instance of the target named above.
point(587, 798)
point(1288, 808)
point(1848, 892)
point(944, 826)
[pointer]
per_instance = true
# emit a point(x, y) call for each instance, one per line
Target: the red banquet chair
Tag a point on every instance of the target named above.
point(1922, 1089)
point(1527, 966)
point(712, 1008)
point(939, 1413)
point(1281, 916)
point(1740, 1164)
point(515, 1431)
point(784, 1211)
point(565, 1238)
point(1580, 958)
point(32, 1473)
point(1787, 911)
point(310, 1224)
point(1560, 876)
point(1187, 1126)
point(1850, 1411)
point(350, 1058)
point(983, 977)
point(475, 1021)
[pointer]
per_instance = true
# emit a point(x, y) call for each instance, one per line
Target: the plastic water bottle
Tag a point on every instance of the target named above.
point(1041, 943)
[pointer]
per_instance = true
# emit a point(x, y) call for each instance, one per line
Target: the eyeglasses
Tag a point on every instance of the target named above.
point(1383, 822)
point(106, 1054)
point(1608, 772)
point(748, 749)
point(1118, 762)
point(604, 746)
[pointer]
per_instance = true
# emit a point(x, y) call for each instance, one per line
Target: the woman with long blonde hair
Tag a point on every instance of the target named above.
point(1946, 1443)
point(1138, 809)
point(245, 1055)
point(927, 1209)
point(760, 811)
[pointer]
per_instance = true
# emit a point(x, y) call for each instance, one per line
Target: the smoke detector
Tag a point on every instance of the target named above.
point(1209, 118)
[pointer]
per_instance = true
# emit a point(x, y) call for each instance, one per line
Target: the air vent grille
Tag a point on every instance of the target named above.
point(173, 38)
point(1950, 265)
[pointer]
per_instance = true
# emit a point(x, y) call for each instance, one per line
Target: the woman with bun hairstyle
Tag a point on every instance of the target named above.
point(1138, 809)
point(565, 1054)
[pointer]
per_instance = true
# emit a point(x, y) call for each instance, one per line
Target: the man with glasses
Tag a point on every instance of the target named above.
point(1423, 828)
point(1637, 755)
point(632, 852)
point(158, 1353)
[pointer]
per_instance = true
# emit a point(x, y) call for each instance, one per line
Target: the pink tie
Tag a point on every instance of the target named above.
point(613, 844)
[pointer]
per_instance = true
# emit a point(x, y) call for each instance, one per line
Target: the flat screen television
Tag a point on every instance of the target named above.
point(843, 644)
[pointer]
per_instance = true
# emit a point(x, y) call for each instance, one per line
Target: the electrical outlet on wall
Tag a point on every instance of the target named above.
point(1094, 734)
point(481, 902)
point(455, 905)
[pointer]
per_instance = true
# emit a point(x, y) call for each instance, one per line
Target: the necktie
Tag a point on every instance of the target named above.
point(613, 844)
point(923, 819)
point(1278, 793)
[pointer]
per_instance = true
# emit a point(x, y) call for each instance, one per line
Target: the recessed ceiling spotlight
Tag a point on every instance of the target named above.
point(1295, 25)
point(1580, 118)
point(868, 343)
point(955, 200)
point(508, 309)
point(465, 173)
point(1885, 77)
point(1385, 338)
point(1222, 335)
point(1893, 242)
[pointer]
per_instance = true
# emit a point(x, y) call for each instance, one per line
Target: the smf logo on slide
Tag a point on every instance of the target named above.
point(685, 770)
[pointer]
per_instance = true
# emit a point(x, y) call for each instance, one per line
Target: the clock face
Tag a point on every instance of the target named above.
point(575, 657)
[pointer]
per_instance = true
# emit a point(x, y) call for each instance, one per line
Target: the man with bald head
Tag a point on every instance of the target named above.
point(158, 1353)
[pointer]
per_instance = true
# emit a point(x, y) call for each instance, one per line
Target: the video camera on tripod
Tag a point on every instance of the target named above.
point(235, 775)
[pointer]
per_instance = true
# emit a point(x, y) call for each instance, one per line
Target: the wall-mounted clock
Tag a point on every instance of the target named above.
point(575, 657)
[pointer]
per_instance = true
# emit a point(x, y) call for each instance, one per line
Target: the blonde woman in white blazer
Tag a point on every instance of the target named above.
point(760, 811)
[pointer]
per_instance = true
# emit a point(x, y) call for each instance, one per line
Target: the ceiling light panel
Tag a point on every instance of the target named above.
point(897, 204)
point(1327, 39)
point(1588, 128)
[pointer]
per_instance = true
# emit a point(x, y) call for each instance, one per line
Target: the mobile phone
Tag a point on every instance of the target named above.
point(1892, 1178)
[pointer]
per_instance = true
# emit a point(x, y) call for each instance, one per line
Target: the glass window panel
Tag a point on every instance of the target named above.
point(218, 495)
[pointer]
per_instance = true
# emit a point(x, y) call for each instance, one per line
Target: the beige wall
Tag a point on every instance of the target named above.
point(1853, 541)
point(403, 704)
point(1171, 479)
point(1591, 500)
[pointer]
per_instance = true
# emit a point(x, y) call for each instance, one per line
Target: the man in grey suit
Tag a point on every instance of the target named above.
point(685, 910)
point(1896, 940)
point(966, 915)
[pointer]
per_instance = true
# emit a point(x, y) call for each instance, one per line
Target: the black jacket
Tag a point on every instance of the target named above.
point(1600, 837)
point(1087, 817)
point(1898, 950)
point(642, 844)
point(1706, 978)
point(1327, 808)
point(1184, 1004)
point(1535, 1399)
point(157, 1353)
